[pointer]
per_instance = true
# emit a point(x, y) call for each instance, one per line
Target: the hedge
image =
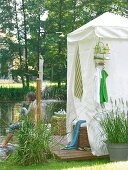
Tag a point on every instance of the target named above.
point(14, 94)
point(18, 94)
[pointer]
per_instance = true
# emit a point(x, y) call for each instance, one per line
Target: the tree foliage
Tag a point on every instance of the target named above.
point(66, 16)
point(28, 36)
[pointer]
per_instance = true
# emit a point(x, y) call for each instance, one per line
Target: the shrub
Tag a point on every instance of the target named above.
point(18, 94)
point(55, 92)
point(33, 144)
point(14, 94)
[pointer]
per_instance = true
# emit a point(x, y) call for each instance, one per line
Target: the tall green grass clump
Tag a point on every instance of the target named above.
point(115, 122)
point(115, 128)
point(33, 144)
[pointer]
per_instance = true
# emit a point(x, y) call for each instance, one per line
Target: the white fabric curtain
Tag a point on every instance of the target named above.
point(117, 85)
point(111, 29)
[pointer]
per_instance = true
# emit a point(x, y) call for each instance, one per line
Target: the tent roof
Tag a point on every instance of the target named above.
point(107, 21)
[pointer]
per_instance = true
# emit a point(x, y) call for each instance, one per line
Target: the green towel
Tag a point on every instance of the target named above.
point(103, 87)
point(78, 87)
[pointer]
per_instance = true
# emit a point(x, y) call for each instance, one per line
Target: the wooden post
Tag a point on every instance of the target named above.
point(38, 99)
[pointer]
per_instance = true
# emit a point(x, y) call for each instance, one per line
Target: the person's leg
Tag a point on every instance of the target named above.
point(12, 128)
point(8, 138)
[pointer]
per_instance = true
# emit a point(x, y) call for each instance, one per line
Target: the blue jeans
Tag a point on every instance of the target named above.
point(13, 127)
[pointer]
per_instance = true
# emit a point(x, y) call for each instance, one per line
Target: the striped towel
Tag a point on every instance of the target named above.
point(78, 87)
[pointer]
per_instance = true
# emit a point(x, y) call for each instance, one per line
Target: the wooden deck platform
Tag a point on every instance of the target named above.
point(74, 154)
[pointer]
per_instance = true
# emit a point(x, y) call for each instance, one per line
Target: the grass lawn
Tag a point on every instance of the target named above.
point(16, 85)
point(32, 83)
point(72, 165)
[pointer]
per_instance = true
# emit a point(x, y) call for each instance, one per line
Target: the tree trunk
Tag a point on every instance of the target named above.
point(59, 43)
point(52, 72)
point(25, 38)
point(19, 49)
point(74, 14)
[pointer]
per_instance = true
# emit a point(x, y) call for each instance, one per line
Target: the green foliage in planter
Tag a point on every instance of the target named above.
point(33, 144)
point(115, 128)
point(53, 92)
point(14, 94)
point(114, 122)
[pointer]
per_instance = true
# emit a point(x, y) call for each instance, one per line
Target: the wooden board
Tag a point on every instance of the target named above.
point(76, 155)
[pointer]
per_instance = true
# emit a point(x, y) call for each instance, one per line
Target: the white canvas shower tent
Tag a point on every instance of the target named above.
point(111, 29)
